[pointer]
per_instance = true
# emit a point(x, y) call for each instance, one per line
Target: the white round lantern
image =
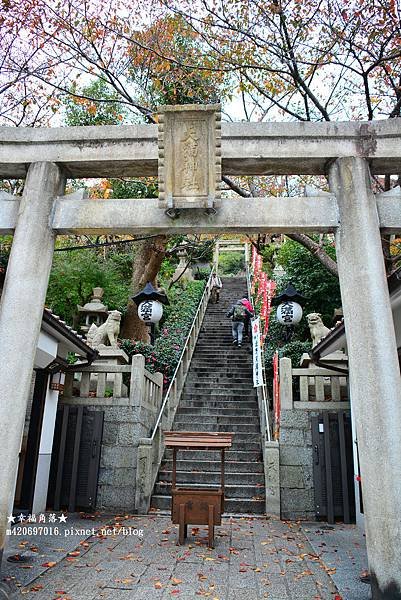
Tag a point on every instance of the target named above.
point(289, 313)
point(150, 311)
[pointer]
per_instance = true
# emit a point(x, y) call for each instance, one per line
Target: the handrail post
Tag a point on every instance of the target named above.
point(144, 479)
point(137, 383)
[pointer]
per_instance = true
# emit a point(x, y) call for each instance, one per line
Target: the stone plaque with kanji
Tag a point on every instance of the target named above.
point(189, 156)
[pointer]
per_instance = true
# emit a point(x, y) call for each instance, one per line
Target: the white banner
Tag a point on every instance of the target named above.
point(257, 353)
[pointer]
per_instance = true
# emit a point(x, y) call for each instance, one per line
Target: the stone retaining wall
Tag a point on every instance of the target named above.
point(296, 465)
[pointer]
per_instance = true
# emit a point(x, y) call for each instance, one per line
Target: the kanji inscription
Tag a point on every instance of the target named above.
point(189, 156)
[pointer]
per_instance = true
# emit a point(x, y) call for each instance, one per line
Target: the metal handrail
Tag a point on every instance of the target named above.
point(263, 386)
point(173, 379)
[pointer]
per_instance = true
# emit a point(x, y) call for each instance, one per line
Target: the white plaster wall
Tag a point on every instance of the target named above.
point(46, 351)
point(397, 321)
point(45, 452)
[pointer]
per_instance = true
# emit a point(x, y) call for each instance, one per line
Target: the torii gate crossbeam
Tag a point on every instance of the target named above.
point(343, 151)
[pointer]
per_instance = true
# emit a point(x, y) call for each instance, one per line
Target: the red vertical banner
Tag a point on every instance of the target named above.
point(276, 397)
point(270, 292)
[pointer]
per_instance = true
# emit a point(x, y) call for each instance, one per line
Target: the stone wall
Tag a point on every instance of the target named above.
point(117, 472)
point(296, 465)
point(126, 421)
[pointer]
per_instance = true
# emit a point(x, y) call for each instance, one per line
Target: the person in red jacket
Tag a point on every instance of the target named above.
point(248, 317)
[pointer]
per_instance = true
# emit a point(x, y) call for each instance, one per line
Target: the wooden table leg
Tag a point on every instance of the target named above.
point(182, 527)
point(211, 526)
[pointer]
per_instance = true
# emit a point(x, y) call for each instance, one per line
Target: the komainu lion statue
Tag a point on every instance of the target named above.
point(107, 333)
point(318, 329)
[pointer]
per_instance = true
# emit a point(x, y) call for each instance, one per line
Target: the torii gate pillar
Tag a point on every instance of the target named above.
point(21, 313)
point(375, 385)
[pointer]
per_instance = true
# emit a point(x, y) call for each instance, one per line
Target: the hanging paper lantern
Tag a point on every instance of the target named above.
point(289, 313)
point(150, 311)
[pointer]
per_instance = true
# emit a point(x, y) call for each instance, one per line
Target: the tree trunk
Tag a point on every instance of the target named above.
point(148, 259)
point(316, 250)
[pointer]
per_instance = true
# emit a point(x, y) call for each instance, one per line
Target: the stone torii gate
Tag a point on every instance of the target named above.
point(345, 152)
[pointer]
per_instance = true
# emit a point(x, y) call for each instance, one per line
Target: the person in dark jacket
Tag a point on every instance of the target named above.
point(238, 314)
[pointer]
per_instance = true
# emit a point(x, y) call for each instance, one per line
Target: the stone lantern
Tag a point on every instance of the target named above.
point(94, 311)
point(182, 271)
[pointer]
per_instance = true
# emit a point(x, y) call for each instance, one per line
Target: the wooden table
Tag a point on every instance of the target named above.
point(197, 505)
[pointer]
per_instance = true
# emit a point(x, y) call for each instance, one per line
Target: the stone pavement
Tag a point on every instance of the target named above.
point(343, 549)
point(254, 558)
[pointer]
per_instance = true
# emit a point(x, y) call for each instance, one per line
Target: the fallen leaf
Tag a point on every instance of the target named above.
point(36, 588)
point(166, 532)
point(74, 553)
point(175, 581)
point(175, 592)
point(49, 564)
point(158, 585)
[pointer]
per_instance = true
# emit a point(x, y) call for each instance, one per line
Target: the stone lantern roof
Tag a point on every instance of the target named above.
point(94, 310)
point(95, 304)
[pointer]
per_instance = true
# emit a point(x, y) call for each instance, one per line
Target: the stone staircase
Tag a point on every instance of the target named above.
point(219, 396)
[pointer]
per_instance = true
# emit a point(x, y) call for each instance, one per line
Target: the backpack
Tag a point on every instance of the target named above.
point(239, 312)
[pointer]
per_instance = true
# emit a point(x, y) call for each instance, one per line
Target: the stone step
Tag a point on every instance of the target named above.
point(211, 411)
point(225, 346)
point(239, 437)
point(200, 424)
point(202, 370)
point(231, 491)
point(230, 389)
point(243, 446)
point(233, 456)
point(224, 360)
point(221, 367)
point(238, 466)
point(218, 400)
point(219, 396)
point(234, 506)
point(216, 418)
point(197, 477)
point(210, 378)
point(216, 331)
point(228, 350)
point(221, 360)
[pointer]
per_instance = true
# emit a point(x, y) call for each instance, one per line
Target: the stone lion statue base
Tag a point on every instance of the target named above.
point(318, 329)
point(105, 334)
